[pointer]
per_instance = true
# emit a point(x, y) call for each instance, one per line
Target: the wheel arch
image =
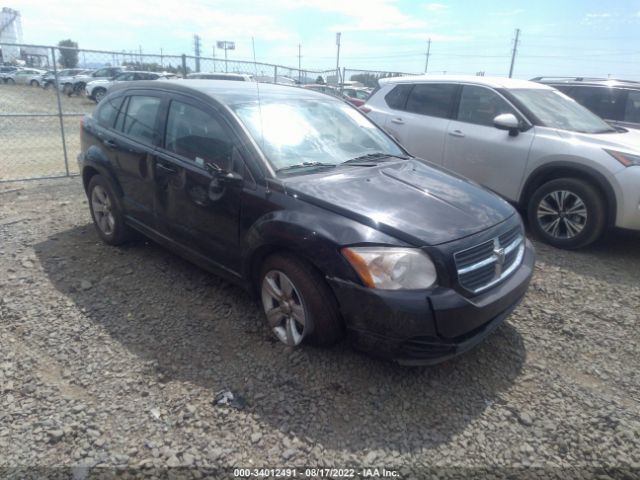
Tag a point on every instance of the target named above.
point(92, 169)
point(316, 246)
point(556, 170)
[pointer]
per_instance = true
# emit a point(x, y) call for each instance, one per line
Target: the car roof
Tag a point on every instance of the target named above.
point(229, 93)
point(608, 82)
point(494, 82)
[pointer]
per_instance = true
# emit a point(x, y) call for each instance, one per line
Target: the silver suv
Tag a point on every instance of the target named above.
point(574, 174)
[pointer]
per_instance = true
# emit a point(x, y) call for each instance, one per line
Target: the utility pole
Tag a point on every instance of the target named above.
point(140, 56)
point(426, 62)
point(515, 50)
point(338, 58)
point(196, 47)
point(299, 63)
point(161, 59)
point(214, 57)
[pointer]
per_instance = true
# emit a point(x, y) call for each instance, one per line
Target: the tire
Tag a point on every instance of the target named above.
point(309, 295)
point(98, 94)
point(567, 213)
point(10, 81)
point(101, 195)
point(67, 89)
point(34, 83)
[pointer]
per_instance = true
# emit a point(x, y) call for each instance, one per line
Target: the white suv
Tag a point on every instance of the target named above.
point(574, 174)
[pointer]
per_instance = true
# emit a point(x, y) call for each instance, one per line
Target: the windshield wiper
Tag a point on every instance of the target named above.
point(305, 165)
point(369, 157)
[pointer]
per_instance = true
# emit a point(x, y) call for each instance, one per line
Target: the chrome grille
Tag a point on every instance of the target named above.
point(484, 265)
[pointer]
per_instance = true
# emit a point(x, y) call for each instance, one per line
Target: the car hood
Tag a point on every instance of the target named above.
point(411, 200)
point(627, 140)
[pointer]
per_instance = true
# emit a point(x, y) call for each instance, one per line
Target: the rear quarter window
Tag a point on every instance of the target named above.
point(108, 111)
point(397, 97)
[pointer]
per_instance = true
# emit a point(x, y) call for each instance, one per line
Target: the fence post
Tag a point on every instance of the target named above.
point(55, 83)
point(184, 65)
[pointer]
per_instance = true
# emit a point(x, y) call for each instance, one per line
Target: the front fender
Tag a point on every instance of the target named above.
point(313, 234)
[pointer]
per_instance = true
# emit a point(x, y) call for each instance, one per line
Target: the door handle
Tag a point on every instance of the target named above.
point(397, 120)
point(110, 143)
point(166, 169)
point(456, 133)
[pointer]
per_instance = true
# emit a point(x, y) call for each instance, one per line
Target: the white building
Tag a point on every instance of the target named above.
point(10, 32)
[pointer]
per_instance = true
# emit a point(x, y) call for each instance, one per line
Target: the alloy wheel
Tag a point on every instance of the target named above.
point(562, 214)
point(284, 308)
point(99, 95)
point(102, 210)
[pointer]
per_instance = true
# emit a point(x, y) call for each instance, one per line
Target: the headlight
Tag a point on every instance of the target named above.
point(392, 268)
point(626, 159)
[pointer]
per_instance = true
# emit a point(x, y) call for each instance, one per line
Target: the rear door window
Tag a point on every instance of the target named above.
point(140, 118)
point(480, 106)
point(432, 99)
point(198, 135)
point(632, 107)
point(605, 102)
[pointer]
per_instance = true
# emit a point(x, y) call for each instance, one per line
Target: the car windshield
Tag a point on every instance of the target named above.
point(312, 131)
point(554, 109)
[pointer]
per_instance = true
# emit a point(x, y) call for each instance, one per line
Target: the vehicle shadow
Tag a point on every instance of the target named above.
point(197, 328)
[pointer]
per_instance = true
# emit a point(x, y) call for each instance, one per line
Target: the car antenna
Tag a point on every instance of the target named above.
point(255, 71)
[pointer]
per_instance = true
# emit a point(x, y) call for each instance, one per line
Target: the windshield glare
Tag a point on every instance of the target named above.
point(554, 109)
point(295, 131)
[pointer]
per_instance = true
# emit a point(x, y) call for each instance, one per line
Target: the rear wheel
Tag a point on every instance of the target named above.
point(10, 81)
point(34, 83)
point(567, 213)
point(298, 304)
point(106, 212)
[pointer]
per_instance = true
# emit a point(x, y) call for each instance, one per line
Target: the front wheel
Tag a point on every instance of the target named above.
point(10, 81)
point(34, 83)
point(298, 304)
point(567, 213)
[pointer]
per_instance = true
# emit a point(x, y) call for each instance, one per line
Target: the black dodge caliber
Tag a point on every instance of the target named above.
point(301, 199)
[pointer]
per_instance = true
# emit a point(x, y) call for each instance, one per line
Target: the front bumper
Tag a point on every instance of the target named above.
point(428, 326)
point(628, 181)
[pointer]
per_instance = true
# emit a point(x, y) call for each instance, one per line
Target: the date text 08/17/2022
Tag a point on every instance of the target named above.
point(318, 472)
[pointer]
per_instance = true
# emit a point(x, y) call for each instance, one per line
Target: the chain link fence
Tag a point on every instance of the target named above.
point(46, 90)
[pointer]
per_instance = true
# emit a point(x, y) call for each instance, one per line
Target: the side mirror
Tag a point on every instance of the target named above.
point(220, 180)
point(509, 122)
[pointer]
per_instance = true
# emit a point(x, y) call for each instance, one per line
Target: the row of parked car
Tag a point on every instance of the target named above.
point(95, 83)
point(396, 225)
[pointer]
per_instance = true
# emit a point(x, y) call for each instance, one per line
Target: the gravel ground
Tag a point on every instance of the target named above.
point(111, 358)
